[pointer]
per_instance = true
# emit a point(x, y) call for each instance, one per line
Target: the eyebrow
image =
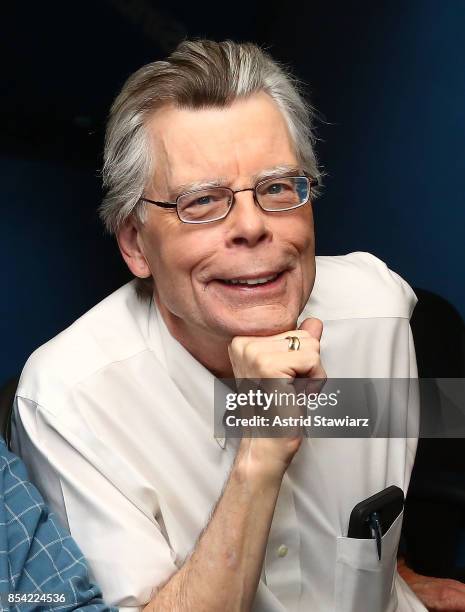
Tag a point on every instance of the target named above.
point(276, 171)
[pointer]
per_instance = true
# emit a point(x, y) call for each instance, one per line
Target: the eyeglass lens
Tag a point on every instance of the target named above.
point(272, 195)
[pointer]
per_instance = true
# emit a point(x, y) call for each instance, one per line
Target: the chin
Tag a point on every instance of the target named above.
point(259, 327)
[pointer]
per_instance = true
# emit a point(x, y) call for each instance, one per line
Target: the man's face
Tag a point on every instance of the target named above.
point(190, 263)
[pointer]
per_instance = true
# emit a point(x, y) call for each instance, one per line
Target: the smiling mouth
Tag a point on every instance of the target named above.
point(257, 281)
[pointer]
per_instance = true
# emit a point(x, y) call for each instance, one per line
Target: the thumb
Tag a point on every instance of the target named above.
point(313, 326)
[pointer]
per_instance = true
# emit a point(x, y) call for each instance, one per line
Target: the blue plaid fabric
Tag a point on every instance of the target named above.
point(36, 554)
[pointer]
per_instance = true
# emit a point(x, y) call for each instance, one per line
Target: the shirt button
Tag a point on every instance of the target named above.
point(282, 551)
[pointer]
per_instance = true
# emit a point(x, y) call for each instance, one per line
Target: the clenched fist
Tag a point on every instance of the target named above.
point(269, 357)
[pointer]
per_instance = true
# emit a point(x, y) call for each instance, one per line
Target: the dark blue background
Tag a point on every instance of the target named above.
point(387, 78)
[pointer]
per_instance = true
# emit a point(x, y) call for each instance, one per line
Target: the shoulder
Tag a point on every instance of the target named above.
point(111, 331)
point(358, 285)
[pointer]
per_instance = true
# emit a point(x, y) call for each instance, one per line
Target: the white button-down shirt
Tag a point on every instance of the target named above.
point(114, 419)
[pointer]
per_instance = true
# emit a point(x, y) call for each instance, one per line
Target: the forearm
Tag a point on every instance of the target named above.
point(223, 572)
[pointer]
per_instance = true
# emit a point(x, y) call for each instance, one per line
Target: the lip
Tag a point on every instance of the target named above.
point(264, 274)
point(276, 285)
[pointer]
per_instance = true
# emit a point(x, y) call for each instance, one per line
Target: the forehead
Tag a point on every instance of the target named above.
point(231, 143)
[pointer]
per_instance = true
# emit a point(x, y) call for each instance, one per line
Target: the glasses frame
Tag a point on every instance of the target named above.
point(311, 182)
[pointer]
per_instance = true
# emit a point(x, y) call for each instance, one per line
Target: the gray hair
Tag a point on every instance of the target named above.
point(198, 74)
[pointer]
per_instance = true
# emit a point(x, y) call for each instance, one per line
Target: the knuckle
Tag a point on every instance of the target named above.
point(443, 593)
point(251, 352)
point(314, 344)
point(236, 344)
point(312, 355)
point(313, 362)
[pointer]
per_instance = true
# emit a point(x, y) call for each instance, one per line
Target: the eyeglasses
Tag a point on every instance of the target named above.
point(213, 204)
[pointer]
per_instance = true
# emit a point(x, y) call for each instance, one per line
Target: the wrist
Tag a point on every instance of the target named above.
point(256, 464)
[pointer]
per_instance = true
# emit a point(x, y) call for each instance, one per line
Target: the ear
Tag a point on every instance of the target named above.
point(129, 242)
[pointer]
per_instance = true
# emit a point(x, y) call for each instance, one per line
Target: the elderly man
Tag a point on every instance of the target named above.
point(210, 170)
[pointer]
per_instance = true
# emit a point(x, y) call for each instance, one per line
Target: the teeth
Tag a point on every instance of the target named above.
point(254, 281)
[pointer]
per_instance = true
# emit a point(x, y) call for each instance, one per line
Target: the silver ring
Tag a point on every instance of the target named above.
point(294, 343)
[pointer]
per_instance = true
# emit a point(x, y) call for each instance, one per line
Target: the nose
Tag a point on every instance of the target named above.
point(247, 223)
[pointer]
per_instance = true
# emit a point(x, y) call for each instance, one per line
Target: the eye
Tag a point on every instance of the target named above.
point(205, 199)
point(201, 199)
point(275, 188)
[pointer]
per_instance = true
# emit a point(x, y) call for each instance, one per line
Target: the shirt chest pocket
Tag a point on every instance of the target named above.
point(362, 581)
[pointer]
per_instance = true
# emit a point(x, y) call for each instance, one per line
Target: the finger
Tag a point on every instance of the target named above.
point(253, 345)
point(306, 364)
point(296, 363)
point(449, 599)
point(439, 594)
point(457, 586)
point(313, 326)
point(307, 345)
point(275, 357)
point(241, 340)
point(448, 585)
